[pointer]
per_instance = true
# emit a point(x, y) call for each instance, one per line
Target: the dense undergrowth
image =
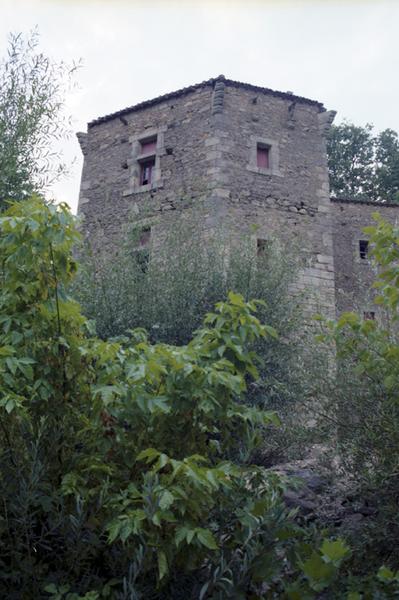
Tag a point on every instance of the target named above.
point(182, 282)
point(120, 476)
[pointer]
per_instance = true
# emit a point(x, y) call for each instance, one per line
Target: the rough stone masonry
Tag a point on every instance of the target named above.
point(230, 155)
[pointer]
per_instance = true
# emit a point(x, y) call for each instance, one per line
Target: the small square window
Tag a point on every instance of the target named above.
point(369, 315)
point(262, 156)
point(146, 171)
point(363, 249)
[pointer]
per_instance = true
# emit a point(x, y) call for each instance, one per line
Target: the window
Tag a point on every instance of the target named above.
point(369, 315)
point(146, 171)
point(144, 162)
point(261, 247)
point(145, 236)
point(141, 252)
point(262, 156)
point(363, 249)
point(142, 259)
point(149, 146)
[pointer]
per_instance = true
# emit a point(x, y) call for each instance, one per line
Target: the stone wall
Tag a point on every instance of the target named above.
point(354, 275)
point(290, 200)
point(206, 173)
point(107, 202)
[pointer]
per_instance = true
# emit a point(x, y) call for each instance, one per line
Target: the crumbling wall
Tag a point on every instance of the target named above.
point(208, 174)
point(354, 274)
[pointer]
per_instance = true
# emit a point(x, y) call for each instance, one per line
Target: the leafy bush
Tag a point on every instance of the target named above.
point(366, 407)
point(364, 403)
point(183, 280)
point(112, 479)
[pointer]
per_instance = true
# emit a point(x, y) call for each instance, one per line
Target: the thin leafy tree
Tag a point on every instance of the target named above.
point(32, 118)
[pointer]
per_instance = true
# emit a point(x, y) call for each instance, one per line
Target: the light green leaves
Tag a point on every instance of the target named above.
point(162, 564)
point(334, 551)
point(322, 566)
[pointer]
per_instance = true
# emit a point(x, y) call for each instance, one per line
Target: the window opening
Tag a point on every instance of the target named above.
point(142, 256)
point(261, 247)
point(145, 237)
point(369, 315)
point(363, 249)
point(146, 171)
point(262, 156)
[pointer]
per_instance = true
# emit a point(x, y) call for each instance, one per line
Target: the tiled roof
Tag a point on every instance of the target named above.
point(364, 201)
point(209, 82)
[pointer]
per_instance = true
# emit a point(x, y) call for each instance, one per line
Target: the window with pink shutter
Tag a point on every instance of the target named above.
point(262, 157)
point(149, 146)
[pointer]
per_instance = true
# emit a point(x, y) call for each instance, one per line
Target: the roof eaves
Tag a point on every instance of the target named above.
point(192, 88)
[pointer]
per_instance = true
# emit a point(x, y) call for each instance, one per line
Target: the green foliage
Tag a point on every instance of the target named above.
point(112, 469)
point(367, 405)
point(114, 481)
point(364, 403)
point(362, 164)
point(178, 288)
point(32, 90)
point(350, 159)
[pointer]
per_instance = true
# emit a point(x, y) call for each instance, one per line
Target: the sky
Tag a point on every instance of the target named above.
point(344, 53)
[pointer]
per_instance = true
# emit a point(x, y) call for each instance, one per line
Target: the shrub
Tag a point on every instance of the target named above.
point(112, 473)
point(113, 477)
point(364, 402)
point(183, 282)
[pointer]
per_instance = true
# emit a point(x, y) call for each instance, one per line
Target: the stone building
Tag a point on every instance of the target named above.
point(230, 155)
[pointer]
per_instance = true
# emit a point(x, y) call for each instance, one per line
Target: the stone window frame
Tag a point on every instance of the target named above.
point(274, 156)
point(137, 157)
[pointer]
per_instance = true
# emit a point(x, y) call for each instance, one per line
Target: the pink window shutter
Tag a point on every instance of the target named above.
point(262, 158)
point(147, 147)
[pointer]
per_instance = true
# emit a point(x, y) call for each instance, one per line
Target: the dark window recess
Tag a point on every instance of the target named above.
point(142, 258)
point(147, 171)
point(145, 237)
point(262, 156)
point(261, 247)
point(363, 249)
point(369, 315)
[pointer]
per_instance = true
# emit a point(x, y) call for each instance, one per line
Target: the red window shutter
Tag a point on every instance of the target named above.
point(147, 147)
point(262, 157)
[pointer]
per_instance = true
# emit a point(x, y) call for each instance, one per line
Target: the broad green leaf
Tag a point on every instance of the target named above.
point(318, 572)
point(162, 564)
point(385, 574)
point(166, 500)
point(334, 551)
point(206, 538)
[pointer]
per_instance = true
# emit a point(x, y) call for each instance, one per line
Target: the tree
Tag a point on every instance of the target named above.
point(362, 164)
point(351, 160)
point(32, 91)
point(387, 169)
point(114, 479)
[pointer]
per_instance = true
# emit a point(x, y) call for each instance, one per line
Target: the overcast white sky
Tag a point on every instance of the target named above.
point(342, 53)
